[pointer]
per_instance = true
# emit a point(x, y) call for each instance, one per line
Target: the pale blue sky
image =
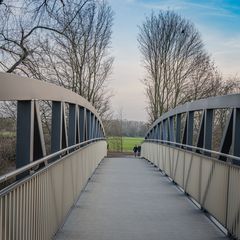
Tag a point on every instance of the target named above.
point(218, 22)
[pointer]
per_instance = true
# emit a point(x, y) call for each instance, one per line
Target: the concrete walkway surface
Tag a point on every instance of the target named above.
point(129, 199)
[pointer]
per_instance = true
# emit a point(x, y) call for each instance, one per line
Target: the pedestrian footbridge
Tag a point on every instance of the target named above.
point(180, 187)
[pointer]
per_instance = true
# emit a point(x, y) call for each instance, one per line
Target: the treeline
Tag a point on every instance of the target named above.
point(125, 128)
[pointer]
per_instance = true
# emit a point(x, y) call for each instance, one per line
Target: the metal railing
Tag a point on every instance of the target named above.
point(84, 122)
point(39, 194)
point(45, 160)
point(199, 150)
point(210, 177)
point(36, 206)
point(214, 184)
point(177, 125)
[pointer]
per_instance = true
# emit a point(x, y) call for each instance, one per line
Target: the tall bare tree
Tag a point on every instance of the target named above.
point(81, 62)
point(173, 56)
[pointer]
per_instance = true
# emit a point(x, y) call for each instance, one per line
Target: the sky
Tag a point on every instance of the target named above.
point(218, 22)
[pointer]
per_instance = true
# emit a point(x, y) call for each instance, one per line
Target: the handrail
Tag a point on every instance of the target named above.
point(195, 148)
point(18, 171)
point(14, 87)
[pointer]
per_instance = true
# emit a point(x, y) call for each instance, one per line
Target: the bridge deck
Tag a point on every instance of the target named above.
point(128, 199)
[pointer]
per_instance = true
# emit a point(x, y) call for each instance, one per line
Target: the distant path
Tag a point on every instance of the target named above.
point(128, 199)
point(119, 154)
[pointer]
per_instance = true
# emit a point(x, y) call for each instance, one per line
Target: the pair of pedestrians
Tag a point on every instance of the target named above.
point(137, 150)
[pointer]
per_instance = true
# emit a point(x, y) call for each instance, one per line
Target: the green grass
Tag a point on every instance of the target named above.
point(7, 134)
point(114, 143)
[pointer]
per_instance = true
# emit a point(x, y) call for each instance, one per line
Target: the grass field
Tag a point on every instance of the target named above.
point(7, 134)
point(114, 143)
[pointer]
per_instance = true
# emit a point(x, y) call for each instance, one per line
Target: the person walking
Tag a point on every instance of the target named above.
point(135, 149)
point(139, 150)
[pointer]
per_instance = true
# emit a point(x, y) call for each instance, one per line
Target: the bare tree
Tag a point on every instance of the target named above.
point(205, 81)
point(23, 24)
point(61, 41)
point(173, 56)
point(81, 62)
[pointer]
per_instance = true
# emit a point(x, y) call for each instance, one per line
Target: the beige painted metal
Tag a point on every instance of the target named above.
point(14, 87)
point(36, 207)
point(214, 184)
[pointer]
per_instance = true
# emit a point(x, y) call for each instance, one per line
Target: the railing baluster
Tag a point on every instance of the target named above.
point(208, 125)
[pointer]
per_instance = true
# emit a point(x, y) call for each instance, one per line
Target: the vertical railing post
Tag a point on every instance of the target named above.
point(96, 128)
point(164, 129)
point(72, 128)
point(171, 129)
point(208, 120)
point(226, 141)
point(158, 132)
point(178, 128)
point(82, 123)
point(25, 125)
point(59, 138)
point(190, 119)
point(39, 147)
point(236, 132)
point(155, 132)
point(56, 138)
point(201, 132)
point(93, 126)
point(89, 127)
point(161, 131)
point(99, 129)
point(236, 135)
